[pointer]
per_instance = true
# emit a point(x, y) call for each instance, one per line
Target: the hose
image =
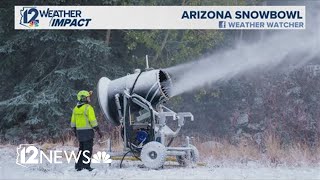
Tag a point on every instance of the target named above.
point(134, 84)
point(123, 158)
point(129, 143)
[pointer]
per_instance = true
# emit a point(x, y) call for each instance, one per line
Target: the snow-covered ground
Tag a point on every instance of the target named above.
point(131, 170)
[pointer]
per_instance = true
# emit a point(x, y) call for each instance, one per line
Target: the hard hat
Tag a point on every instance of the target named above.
point(83, 94)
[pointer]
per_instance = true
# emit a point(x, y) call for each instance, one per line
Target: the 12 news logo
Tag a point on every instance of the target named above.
point(28, 154)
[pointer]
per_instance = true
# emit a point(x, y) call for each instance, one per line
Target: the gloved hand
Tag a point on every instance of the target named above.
point(74, 131)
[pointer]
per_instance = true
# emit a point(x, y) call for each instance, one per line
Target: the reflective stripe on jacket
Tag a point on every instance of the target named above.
point(84, 119)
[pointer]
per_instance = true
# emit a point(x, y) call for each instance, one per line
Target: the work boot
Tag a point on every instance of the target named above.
point(79, 169)
point(89, 168)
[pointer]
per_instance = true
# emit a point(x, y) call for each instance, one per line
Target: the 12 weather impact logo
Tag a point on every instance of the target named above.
point(29, 17)
point(33, 17)
point(29, 154)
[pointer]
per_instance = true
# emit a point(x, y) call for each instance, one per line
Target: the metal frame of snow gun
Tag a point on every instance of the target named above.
point(135, 102)
point(155, 152)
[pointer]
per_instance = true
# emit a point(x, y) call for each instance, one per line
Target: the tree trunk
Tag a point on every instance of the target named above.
point(108, 37)
point(164, 42)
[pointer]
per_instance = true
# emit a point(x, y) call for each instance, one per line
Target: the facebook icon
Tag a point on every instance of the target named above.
point(222, 24)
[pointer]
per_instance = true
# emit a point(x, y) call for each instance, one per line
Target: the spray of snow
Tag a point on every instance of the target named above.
point(295, 48)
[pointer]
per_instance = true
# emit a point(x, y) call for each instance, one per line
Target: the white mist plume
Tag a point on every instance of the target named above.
point(295, 47)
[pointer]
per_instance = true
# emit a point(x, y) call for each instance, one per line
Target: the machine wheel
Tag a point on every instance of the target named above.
point(184, 161)
point(153, 155)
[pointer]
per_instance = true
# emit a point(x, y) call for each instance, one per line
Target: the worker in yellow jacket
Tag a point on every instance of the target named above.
point(83, 123)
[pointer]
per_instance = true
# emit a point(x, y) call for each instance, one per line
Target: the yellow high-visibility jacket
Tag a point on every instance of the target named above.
point(83, 119)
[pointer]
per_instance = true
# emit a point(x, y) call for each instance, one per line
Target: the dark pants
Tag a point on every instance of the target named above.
point(84, 145)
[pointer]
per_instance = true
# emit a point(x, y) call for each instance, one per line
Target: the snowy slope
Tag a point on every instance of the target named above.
point(9, 170)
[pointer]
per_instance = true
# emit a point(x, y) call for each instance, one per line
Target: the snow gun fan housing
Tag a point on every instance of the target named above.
point(154, 86)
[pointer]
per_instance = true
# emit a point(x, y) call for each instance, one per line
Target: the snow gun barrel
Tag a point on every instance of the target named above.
point(154, 86)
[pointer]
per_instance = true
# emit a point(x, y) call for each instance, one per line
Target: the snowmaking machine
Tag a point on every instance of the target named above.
point(135, 102)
